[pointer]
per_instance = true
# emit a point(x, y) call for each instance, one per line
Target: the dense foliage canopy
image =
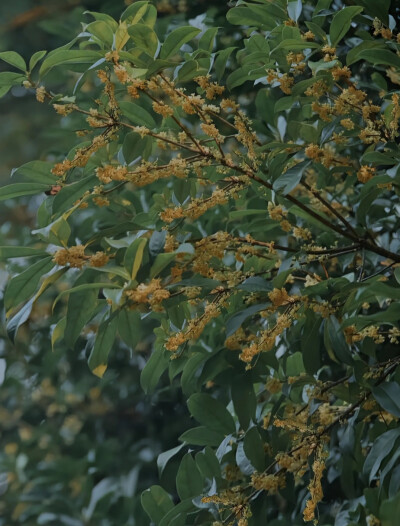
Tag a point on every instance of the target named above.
point(226, 221)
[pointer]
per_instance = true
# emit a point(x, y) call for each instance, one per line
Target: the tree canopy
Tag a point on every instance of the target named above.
point(217, 237)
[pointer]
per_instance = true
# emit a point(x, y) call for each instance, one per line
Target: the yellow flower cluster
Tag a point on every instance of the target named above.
point(109, 173)
point(270, 483)
point(99, 259)
point(200, 206)
point(81, 157)
point(315, 488)
point(195, 327)
point(266, 340)
point(75, 257)
point(64, 109)
point(72, 256)
point(212, 89)
point(151, 293)
point(365, 173)
point(208, 248)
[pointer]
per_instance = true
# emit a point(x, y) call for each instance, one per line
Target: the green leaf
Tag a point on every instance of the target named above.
point(22, 286)
point(157, 242)
point(140, 12)
point(8, 79)
point(156, 503)
point(189, 482)
point(295, 44)
point(176, 39)
point(189, 374)
point(254, 448)
point(294, 364)
point(81, 307)
point(190, 70)
point(105, 339)
point(202, 436)
point(58, 332)
point(37, 171)
point(341, 23)
point(161, 261)
point(221, 61)
point(134, 256)
point(310, 343)
point(165, 457)
point(211, 413)
point(70, 193)
point(208, 464)
point(135, 146)
point(378, 158)
point(137, 114)
point(389, 511)
point(12, 191)
point(13, 58)
point(335, 342)
point(353, 55)
point(14, 323)
point(20, 252)
point(255, 283)
point(380, 56)
point(144, 38)
point(236, 321)
point(154, 368)
point(69, 56)
point(177, 516)
point(381, 448)
point(35, 58)
point(85, 287)
point(387, 395)
point(244, 400)
point(294, 9)
point(130, 327)
point(256, 16)
point(207, 39)
point(291, 178)
point(102, 31)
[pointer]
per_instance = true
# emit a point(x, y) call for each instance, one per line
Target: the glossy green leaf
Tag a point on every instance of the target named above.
point(81, 307)
point(202, 436)
point(335, 342)
point(211, 413)
point(134, 256)
point(105, 339)
point(13, 58)
point(144, 38)
point(165, 457)
point(341, 23)
point(20, 189)
point(156, 503)
point(176, 39)
point(129, 327)
point(208, 464)
point(22, 286)
point(387, 395)
point(69, 56)
point(35, 58)
point(20, 252)
point(189, 482)
point(380, 56)
point(160, 263)
point(154, 368)
point(8, 79)
point(102, 31)
point(137, 114)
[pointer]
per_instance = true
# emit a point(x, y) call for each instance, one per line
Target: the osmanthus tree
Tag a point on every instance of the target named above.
point(238, 194)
